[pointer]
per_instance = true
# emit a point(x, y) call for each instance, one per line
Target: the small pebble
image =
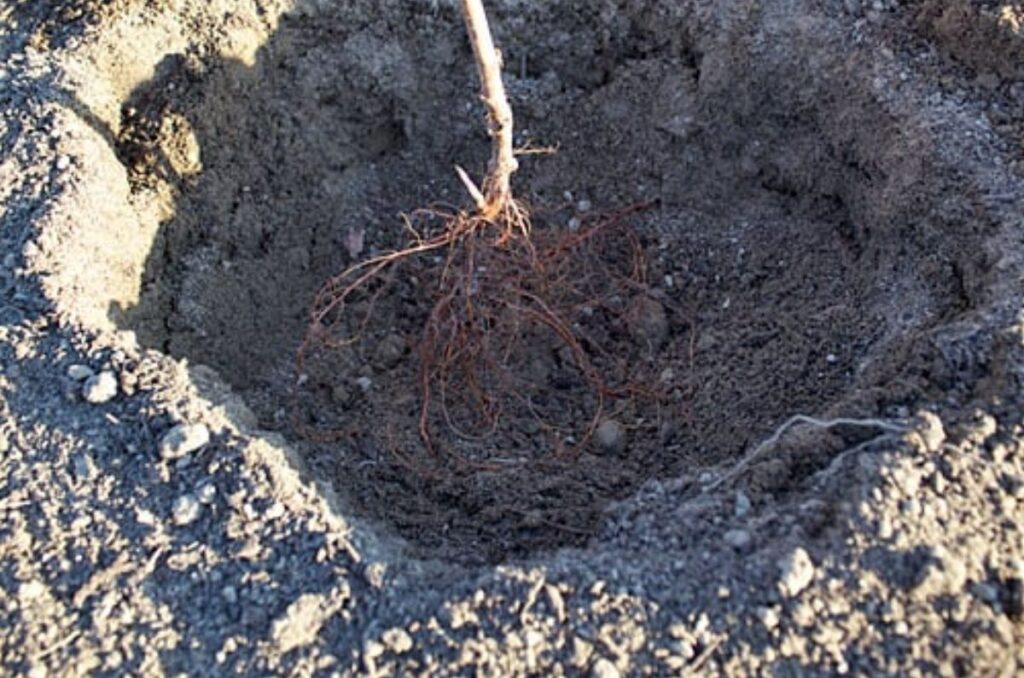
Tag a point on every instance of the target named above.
point(100, 388)
point(931, 430)
point(797, 571)
point(987, 592)
point(230, 594)
point(742, 504)
point(182, 440)
point(275, 511)
point(83, 467)
point(397, 640)
point(373, 650)
point(610, 437)
point(738, 539)
point(206, 493)
point(604, 669)
point(185, 510)
point(769, 617)
point(80, 372)
point(145, 517)
point(364, 383)
point(389, 351)
point(31, 590)
point(63, 162)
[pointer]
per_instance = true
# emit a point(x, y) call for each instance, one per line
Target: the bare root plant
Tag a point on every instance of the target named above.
point(503, 294)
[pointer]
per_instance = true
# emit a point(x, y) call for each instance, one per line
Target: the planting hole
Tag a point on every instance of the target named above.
point(800, 241)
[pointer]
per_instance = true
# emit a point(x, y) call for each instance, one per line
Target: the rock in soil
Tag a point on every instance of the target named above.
point(80, 372)
point(390, 351)
point(100, 388)
point(183, 439)
point(738, 539)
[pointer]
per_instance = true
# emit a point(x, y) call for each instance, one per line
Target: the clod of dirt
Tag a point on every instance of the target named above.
point(610, 437)
point(390, 351)
point(648, 323)
point(340, 395)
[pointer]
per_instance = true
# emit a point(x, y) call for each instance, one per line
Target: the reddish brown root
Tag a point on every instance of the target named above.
point(505, 301)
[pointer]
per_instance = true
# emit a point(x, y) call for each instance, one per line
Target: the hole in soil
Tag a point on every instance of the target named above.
point(801, 242)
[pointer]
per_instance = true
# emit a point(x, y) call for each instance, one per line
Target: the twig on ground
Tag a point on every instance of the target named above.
point(59, 645)
point(699, 662)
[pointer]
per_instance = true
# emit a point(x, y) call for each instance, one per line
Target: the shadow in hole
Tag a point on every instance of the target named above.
point(265, 168)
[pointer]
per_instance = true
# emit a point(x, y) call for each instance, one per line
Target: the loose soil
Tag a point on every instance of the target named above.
point(802, 244)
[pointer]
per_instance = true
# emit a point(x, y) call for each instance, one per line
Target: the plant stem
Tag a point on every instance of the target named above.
point(497, 191)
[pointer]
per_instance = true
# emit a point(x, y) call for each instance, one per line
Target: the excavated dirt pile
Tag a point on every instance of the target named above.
point(811, 242)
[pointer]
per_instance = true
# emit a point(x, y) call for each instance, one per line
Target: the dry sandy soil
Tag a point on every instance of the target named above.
point(817, 468)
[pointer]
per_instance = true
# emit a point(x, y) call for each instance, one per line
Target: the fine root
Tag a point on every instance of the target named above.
point(771, 441)
point(515, 336)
